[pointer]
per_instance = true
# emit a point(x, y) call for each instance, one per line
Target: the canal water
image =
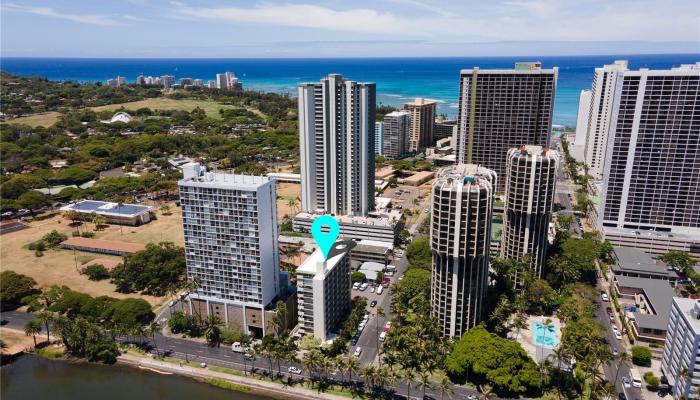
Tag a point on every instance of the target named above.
point(31, 377)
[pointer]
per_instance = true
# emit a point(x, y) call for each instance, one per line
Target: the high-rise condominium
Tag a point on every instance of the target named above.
point(503, 108)
point(531, 176)
point(682, 348)
point(230, 227)
point(396, 128)
point(323, 288)
point(652, 166)
point(336, 132)
point(420, 132)
point(378, 137)
point(600, 108)
point(460, 238)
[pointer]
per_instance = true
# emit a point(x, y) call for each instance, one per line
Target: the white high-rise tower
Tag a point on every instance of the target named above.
point(336, 132)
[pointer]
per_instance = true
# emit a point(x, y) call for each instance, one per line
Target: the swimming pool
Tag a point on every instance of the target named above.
point(545, 335)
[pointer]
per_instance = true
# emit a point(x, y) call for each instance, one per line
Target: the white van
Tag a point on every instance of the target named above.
point(355, 285)
point(636, 378)
point(380, 289)
point(237, 347)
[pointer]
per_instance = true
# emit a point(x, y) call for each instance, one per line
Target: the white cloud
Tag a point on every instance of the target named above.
point(305, 16)
point(50, 12)
point(497, 20)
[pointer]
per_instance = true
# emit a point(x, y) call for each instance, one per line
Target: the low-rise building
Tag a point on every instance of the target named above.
point(654, 242)
point(638, 264)
point(371, 270)
point(115, 213)
point(682, 349)
point(652, 301)
point(419, 178)
point(383, 227)
point(323, 293)
point(101, 246)
point(372, 250)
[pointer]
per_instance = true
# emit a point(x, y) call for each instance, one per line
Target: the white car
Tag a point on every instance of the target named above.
point(626, 382)
point(604, 296)
point(371, 290)
point(358, 351)
point(294, 370)
point(617, 334)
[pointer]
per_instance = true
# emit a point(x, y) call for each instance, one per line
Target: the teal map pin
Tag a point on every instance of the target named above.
point(325, 240)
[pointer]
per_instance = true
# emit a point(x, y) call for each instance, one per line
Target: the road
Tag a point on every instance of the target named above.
point(190, 350)
point(610, 370)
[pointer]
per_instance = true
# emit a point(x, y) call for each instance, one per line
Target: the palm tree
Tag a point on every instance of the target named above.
point(409, 375)
point(445, 388)
point(353, 367)
point(622, 359)
point(424, 382)
point(341, 364)
point(245, 345)
point(153, 329)
point(212, 331)
point(99, 221)
point(380, 314)
point(32, 328)
point(486, 392)
point(46, 318)
point(682, 374)
point(120, 203)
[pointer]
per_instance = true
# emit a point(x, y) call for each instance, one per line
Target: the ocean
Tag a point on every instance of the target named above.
point(398, 79)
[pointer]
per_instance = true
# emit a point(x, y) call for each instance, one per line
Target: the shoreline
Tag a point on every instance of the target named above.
point(257, 387)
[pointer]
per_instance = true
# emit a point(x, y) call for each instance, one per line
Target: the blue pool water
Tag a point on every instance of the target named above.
point(545, 335)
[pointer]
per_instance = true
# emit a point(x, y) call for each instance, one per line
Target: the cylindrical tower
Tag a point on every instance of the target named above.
point(530, 182)
point(460, 239)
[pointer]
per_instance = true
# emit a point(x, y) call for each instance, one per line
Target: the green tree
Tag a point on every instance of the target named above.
point(14, 287)
point(679, 260)
point(95, 272)
point(212, 330)
point(152, 271)
point(357, 277)
point(99, 221)
point(33, 200)
point(419, 253)
point(500, 362)
point(641, 355)
point(32, 328)
point(165, 209)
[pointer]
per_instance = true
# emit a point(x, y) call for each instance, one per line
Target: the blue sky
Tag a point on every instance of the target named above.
point(355, 28)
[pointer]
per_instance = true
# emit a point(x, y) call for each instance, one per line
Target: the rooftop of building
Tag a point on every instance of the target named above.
point(648, 234)
point(420, 175)
point(658, 293)
point(106, 208)
point(541, 151)
point(102, 244)
point(637, 261)
point(419, 101)
point(373, 243)
point(687, 307)
point(534, 67)
point(309, 266)
point(398, 113)
point(372, 266)
point(466, 173)
point(387, 218)
point(196, 175)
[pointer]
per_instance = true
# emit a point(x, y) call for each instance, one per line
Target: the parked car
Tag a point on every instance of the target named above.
point(363, 287)
point(382, 336)
point(353, 341)
point(371, 290)
point(609, 310)
point(355, 285)
point(294, 370)
point(358, 351)
point(614, 351)
point(604, 296)
point(617, 334)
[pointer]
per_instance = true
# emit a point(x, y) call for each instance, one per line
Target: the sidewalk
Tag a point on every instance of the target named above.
point(268, 388)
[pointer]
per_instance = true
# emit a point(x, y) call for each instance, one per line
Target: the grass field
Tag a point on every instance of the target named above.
point(60, 267)
point(286, 191)
point(210, 107)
